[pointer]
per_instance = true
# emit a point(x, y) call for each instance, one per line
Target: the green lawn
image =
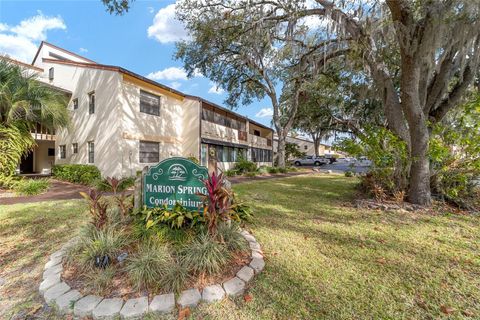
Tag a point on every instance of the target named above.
point(325, 258)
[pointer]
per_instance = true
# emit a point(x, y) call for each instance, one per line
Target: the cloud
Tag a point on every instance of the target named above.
point(165, 28)
point(20, 41)
point(171, 73)
point(83, 50)
point(150, 9)
point(215, 89)
point(175, 84)
point(264, 113)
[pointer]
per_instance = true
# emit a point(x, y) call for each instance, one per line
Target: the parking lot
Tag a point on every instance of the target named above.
point(342, 166)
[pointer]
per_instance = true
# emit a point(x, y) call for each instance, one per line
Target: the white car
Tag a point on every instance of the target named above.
point(311, 161)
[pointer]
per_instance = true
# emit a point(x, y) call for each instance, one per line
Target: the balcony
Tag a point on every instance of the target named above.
point(42, 133)
point(259, 142)
point(215, 131)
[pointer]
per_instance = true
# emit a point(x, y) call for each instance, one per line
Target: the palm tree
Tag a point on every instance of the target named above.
point(24, 103)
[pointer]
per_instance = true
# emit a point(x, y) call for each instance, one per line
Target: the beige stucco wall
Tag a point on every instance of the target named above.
point(101, 127)
point(40, 155)
point(176, 129)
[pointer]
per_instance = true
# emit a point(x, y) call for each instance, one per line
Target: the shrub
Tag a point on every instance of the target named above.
point(292, 169)
point(7, 182)
point(251, 174)
point(230, 173)
point(263, 170)
point(204, 255)
point(148, 265)
point(243, 166)
point(349, 173)
point(76, 173)
point(240, 211)
point(95, 243)
point(30, 187)
point(231, 237)
point(272, 170)
point(112, 184)
point(177, 217)
point(282, 170)
point(98, 280)
point(174, 278)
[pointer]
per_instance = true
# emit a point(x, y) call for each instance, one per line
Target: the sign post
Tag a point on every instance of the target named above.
point(174, 180)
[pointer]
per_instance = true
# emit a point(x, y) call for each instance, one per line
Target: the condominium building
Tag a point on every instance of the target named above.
point(122, 121)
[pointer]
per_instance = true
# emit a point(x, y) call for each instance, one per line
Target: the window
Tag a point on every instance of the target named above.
point(91, 152)
point(50, 73)
point(260, 155)
point(62, 151)
point(91, 102)
point(51, 152)
point(74, 147)
point(75, 104)
point(149, 103)
point(149, 152)
point(256, 133)
point(305, 147)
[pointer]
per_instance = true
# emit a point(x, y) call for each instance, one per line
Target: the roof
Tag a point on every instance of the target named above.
point(95, 65)
point(113, 68)
point(61, 49)
point(228, 110)
point(22, 64)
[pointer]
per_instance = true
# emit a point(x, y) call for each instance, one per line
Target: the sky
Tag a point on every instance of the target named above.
point(142, 41)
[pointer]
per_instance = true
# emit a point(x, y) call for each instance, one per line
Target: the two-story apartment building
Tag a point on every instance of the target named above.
point(122, 121)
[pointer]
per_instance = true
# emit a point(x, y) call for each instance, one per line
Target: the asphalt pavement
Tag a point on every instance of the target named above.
point(342, 167)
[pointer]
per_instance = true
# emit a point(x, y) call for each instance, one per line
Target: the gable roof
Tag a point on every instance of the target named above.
point(116, 69)
point(20, 63)
point(61, 49)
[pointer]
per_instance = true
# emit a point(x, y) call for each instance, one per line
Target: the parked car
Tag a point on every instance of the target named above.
point(311, 161)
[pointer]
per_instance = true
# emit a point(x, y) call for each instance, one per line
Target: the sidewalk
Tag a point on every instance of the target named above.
point(61, 190)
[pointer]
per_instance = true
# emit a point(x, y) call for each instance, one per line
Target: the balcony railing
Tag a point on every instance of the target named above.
point(259, 142)
point(218, 132)
point(42, 133)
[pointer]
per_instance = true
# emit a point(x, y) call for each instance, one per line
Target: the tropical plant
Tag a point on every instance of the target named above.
point(176, 217)
point(240, 210)
point(24, 103)
point(97, 207)
point(217, 201)
point(204, 255)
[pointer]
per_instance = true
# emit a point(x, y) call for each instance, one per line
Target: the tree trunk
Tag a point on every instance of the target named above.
point(419, 192)
point(281, 149)
point(316, 144)
point(419, 180)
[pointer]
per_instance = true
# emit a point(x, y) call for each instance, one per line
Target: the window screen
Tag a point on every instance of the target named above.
point(149, 152)
point(149, 103)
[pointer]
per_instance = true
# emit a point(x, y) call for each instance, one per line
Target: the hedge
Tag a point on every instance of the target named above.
point(76, 173)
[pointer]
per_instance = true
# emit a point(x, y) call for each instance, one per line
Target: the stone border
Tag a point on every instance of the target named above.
point(57, 292)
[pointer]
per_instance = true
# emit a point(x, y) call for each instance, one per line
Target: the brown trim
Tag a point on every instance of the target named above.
point(58, 48)
point(116, 69)
point(20, 63)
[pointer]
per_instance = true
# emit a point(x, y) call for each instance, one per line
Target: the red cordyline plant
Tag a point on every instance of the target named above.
point(217, 201)
point(97, 208)
point(123, 201)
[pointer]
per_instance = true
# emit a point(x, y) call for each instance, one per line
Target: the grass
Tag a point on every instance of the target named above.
point(325, 259)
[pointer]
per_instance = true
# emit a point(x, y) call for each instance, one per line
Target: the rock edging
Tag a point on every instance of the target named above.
point(57, 292)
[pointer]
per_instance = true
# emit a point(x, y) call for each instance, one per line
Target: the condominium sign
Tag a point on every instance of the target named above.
point(174, 180)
